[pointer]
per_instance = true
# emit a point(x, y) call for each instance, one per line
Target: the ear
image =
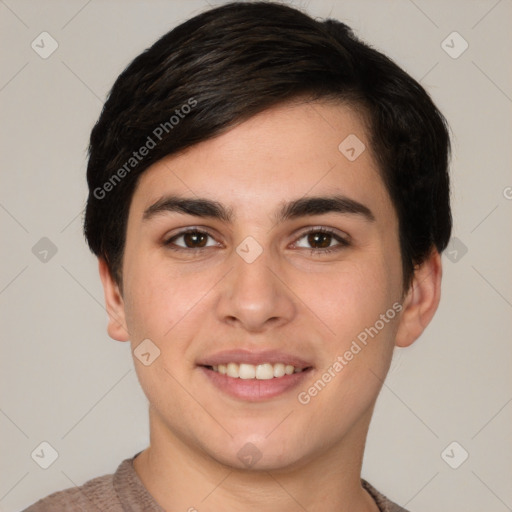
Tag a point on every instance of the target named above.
point(114, 303)
point(421, 301)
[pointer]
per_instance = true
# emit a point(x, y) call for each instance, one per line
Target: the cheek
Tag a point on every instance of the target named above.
point(167, 303)
point(352, 297)
point(359, 348)
point(356, 304)
point(161, 307)
point(159, 300)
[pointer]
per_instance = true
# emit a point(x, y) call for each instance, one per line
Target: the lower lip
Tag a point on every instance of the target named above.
point(255, 390)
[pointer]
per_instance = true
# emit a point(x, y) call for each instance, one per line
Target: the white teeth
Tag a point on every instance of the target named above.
point(233, 370)
point(247, 371)
point(279, 370)
point(265, 371)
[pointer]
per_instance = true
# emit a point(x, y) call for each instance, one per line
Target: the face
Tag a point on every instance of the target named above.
point(264, 266)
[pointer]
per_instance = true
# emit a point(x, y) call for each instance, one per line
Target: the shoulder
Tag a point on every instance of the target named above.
point(384, 504)
point(96, 494)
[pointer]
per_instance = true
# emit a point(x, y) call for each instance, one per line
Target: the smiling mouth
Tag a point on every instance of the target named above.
point(265, 371)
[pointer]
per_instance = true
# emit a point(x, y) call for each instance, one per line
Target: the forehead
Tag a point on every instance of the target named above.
point(288, 151)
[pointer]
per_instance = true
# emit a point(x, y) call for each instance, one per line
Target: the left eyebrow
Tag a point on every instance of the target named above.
point(303, 207)
point(308, 206)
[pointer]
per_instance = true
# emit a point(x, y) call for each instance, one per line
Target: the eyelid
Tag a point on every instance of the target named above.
point(167, 240)
point(341, 236)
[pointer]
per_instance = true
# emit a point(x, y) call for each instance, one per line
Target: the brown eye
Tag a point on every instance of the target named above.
point(195, 239)
point(191, 239)
point(319, 240)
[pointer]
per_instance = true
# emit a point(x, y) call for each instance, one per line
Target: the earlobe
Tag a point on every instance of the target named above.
point(421, 301)
point(114, 304)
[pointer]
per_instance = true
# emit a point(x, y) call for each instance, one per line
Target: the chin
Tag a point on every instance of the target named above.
point(260, 453)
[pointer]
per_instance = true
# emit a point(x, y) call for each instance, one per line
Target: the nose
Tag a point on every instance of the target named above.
point(254, 295)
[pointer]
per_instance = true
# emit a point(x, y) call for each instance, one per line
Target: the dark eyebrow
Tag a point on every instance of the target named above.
point(189, 206)
point(307, 206)
point(303, 207)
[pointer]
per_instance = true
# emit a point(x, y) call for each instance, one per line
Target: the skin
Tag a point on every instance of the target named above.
point(292, 297)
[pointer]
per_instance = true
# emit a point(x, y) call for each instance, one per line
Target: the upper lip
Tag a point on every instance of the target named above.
point(253, 357)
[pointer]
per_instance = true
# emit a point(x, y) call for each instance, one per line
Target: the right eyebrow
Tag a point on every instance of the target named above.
point(190, 206)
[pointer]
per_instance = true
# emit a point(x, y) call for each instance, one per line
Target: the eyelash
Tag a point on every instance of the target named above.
point(342, 242)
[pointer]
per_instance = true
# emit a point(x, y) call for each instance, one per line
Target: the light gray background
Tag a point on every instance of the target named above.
point(65, 382)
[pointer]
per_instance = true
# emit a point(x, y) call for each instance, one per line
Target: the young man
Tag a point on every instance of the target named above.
point(269, 198)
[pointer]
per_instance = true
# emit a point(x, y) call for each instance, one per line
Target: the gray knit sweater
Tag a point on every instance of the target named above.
point(123, 491)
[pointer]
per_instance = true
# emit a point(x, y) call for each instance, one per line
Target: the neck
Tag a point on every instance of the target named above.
point(181, 476)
